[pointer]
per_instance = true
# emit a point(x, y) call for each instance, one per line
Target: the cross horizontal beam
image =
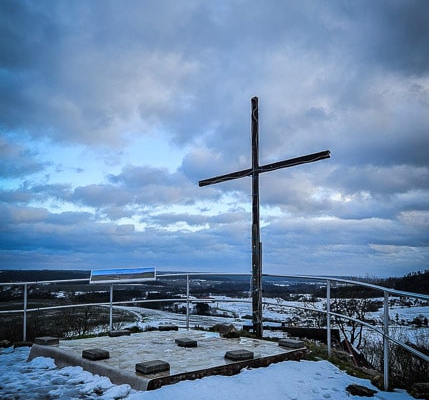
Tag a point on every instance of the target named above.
point(268, 167)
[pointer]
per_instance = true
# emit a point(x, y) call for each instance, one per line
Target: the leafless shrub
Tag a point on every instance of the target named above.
point(405, 368)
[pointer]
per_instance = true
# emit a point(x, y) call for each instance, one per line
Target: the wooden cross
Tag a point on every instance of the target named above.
point(256, 243)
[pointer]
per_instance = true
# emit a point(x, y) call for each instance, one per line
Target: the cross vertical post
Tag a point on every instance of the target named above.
point(254, 172)
point(256, 236)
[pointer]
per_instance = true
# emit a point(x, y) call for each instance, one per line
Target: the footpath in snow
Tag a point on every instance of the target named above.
point(290, 380)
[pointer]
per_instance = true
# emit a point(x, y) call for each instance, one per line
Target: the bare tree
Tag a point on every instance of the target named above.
point(353, 308)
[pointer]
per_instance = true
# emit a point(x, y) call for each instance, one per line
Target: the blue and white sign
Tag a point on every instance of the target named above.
point(123, 275)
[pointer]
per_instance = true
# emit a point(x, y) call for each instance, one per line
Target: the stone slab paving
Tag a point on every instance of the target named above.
point(126, 352)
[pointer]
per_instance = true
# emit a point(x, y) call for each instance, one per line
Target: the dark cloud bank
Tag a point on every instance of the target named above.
point(82, 83)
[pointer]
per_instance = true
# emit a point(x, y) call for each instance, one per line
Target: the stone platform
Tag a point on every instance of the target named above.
point(204, 359)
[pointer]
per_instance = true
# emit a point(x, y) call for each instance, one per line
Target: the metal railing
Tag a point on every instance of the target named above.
point(322, 279)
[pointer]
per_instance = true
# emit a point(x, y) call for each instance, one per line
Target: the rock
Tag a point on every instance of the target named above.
point(229, 332)
point(226, 331)
point(377, 380)
point(358, 390)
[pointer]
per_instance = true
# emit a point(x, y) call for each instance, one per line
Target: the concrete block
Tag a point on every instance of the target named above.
point(95, 354)
point(292, 343)
point(47, 341)
point(239, 355)
point(186, 342)
point(152, 367)
point(167, 327)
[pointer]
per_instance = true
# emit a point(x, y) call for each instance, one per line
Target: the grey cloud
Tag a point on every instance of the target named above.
point(381, 180)
point(72, 89)
point(22, 217)
point(115, 213)
point(48, 191)
point(404, 30)
point(29, 192)
point(87, 98)
point(16, 160)
point(138, 185)
point(12, 214)
point(68, 218)
point(360, 242)
point(231, 217)
point(97, 195)
point(201, 164)
point(31, 229)
point(348, 77)
point(137, 177)
point(15, 196)
point(156, 185)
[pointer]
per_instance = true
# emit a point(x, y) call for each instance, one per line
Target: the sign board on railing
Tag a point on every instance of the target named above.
point(122, 275)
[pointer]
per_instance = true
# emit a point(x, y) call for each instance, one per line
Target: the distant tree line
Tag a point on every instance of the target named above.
point(41, 275)
point(237, 285)
point(417, 282)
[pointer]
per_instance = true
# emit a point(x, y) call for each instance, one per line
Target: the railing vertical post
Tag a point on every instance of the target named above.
point(111, 308)
point(24, 328)
point(386, 341)
point(328, 316)
point(187, 302)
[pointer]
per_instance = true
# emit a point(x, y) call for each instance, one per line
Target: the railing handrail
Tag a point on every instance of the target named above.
point(171, 300)
point(325, 279)
point(43, 282)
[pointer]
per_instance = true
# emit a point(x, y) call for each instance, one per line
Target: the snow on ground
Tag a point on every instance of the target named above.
point(305, 380)
point(289, 380)
point(284, 310)
point(277, 310)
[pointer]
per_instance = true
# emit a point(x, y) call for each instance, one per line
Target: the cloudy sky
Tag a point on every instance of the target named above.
point(112, 111)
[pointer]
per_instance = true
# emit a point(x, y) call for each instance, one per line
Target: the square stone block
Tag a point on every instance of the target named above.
point(292, 343)
point(152, 367)
point(119, 333)
point(47, 341)
point(239, 355)
point(95, 354)
point(186, 342)
point(167, 327)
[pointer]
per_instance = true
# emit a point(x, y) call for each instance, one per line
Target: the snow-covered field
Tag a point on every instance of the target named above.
point(289, 380)
point(281, 310)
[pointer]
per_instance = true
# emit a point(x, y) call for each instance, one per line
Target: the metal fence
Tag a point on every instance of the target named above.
point(328, 281)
